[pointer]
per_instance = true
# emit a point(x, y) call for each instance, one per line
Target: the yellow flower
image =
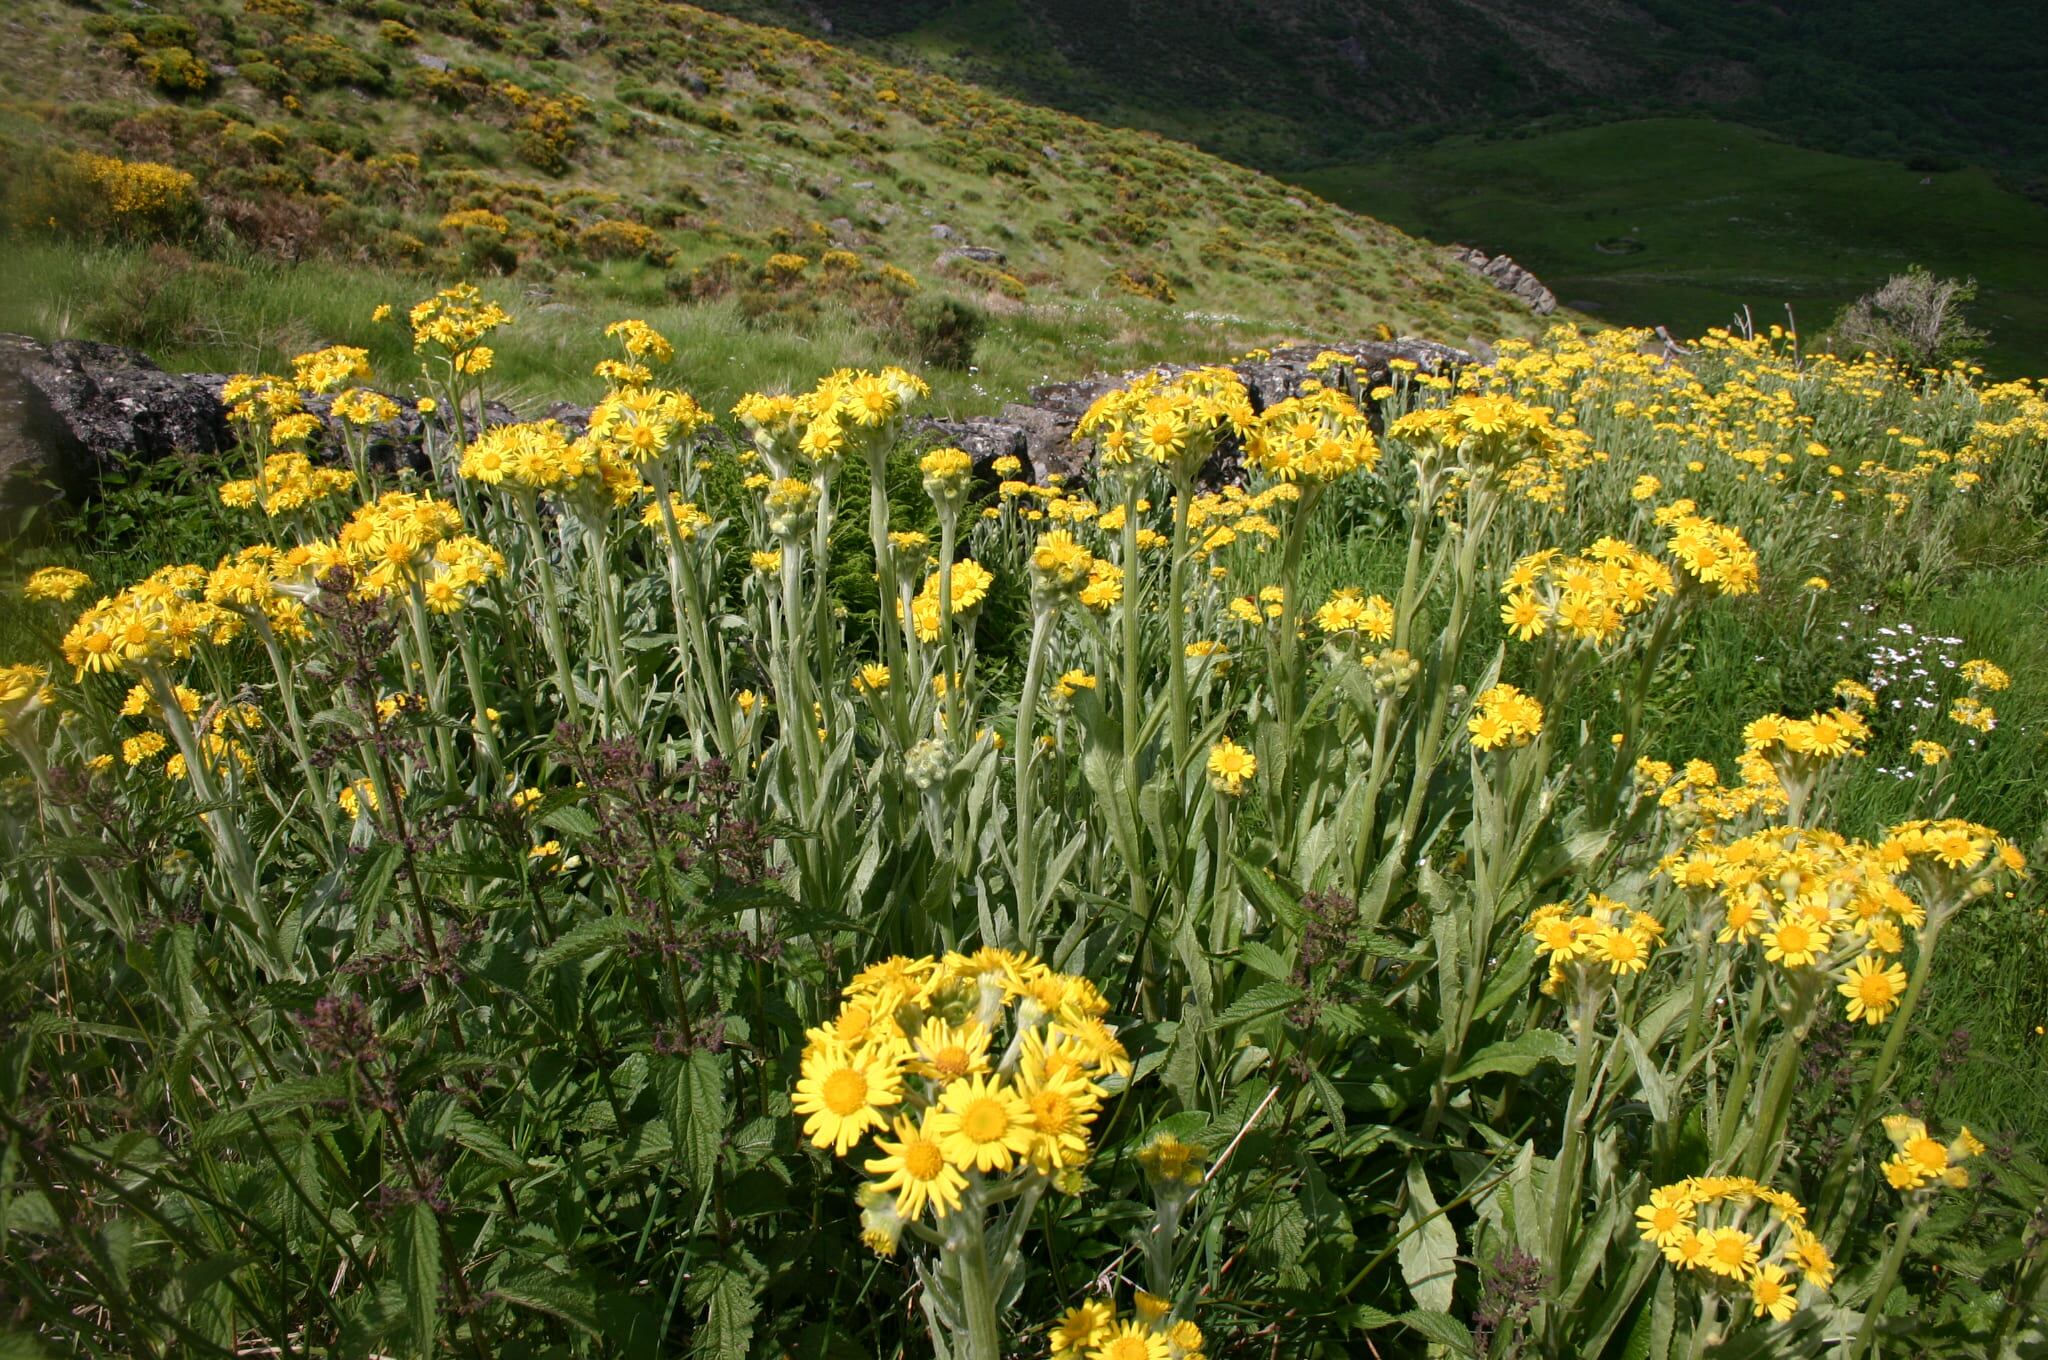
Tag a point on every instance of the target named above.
point(1130, 1341)
point(1080, 1326)
point(1231, 767)
point(842, 1095)
point(1873, 988)
point(982, 1124)
point(913, 1168)
point(1771, 1295)
point(949, 1052)
point(55, 584)
point(871, 678)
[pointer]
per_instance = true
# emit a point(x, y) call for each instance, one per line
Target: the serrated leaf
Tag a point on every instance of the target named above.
point(694, 1091)
point(1441, 1328)
point(727, 1297)
point(1518, 1056)
point(570, 820)
point(1267, 998)
point(584, 939)
point(417, 1255)
point(544, 1292)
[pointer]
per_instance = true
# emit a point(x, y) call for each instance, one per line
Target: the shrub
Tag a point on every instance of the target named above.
point(617, 240)
point(1139, 281)
point(174, 70)
point(944, 331)
point(1915, 320)
point(93, 195)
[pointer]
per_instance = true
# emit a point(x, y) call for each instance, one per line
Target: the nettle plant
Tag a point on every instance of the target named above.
point(594, 898)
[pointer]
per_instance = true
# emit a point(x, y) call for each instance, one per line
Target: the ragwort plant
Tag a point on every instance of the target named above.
point(481, 914)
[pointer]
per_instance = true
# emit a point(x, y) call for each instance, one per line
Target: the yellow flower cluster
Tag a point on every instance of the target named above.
point(1503, 717)
point(1591, 941)
point(288, 482)
point(24, 689)
point(1921, 1161)
point(1704, 1225)
point(329, 370)
point(540, 456)
point(1318, 436)
point(967, 1069)
point(1526, 447)
point(57, 585)
point(1712, 554)
point(691, 518)
point(455, 319)
point(1093, 1330)
point(640, 424)
point(847, 407)
point(249, 580)
point(1170, 421)
point(1349, 612)
point(388, 544)
point(970, 587)
point(641, 340)
point(1587, 598)
point(158, 619)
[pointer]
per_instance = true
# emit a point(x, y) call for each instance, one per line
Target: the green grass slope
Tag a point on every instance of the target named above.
point(1682, 221)
point(625, 154)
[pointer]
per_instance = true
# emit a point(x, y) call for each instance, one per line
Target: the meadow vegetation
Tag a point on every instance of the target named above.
point(624, 154)
point(1504, 879)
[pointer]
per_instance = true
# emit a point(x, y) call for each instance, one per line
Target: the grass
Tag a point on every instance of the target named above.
point(1680, 221)
point(212, 316)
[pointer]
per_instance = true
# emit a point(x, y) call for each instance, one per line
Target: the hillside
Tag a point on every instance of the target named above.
point(1324, 79)
point(615, 153)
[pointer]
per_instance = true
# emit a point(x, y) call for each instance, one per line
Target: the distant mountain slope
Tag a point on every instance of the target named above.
point(674, 151)
point(1884, 78)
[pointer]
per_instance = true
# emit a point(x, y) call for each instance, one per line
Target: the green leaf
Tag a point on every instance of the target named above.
point(1429, 1247)
point(730, 1305)
point(418, 1257)
point(1441, 1328)
point(545, 1292)
point(1364, 1317)
point(1267, 998)
point(1518, 1056)
point(583, 940)
point(570, 820)
point(694, 1088)
point(480, 1138)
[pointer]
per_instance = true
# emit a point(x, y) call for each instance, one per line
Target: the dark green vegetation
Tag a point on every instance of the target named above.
point(1682, 222)
point(1294, 83)
point(1394, 109)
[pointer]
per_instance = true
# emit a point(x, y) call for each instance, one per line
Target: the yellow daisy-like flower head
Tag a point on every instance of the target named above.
point(983, 1124)
point(842, 1095)
point(914, 1169)
point(1130, 1341)
point(1231, 767)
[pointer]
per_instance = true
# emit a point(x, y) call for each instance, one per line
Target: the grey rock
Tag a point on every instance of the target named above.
point(1504, 274)
point(941, 232)
point(430, 61)
point(74, 408)
point(979, 254)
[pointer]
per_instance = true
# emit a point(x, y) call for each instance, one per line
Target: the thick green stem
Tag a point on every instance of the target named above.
point(1026, 780)
point(1887, 1276)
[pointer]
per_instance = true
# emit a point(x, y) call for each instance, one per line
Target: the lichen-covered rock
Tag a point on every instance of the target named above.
point(75, 407)
point(1504, 274)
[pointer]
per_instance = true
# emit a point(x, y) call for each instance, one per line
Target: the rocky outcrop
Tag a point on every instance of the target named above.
point(71, 410)
point(1504, 274)
point(1041, 431)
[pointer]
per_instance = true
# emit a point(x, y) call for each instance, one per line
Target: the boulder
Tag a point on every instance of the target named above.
point(979, 254)
point(1504, 274)
point(73, 408)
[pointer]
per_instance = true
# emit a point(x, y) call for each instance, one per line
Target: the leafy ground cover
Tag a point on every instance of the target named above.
point(1677, 221)
point(1504, 880)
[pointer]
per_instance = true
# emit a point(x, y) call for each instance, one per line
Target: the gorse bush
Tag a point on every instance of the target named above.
point(637, 888)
